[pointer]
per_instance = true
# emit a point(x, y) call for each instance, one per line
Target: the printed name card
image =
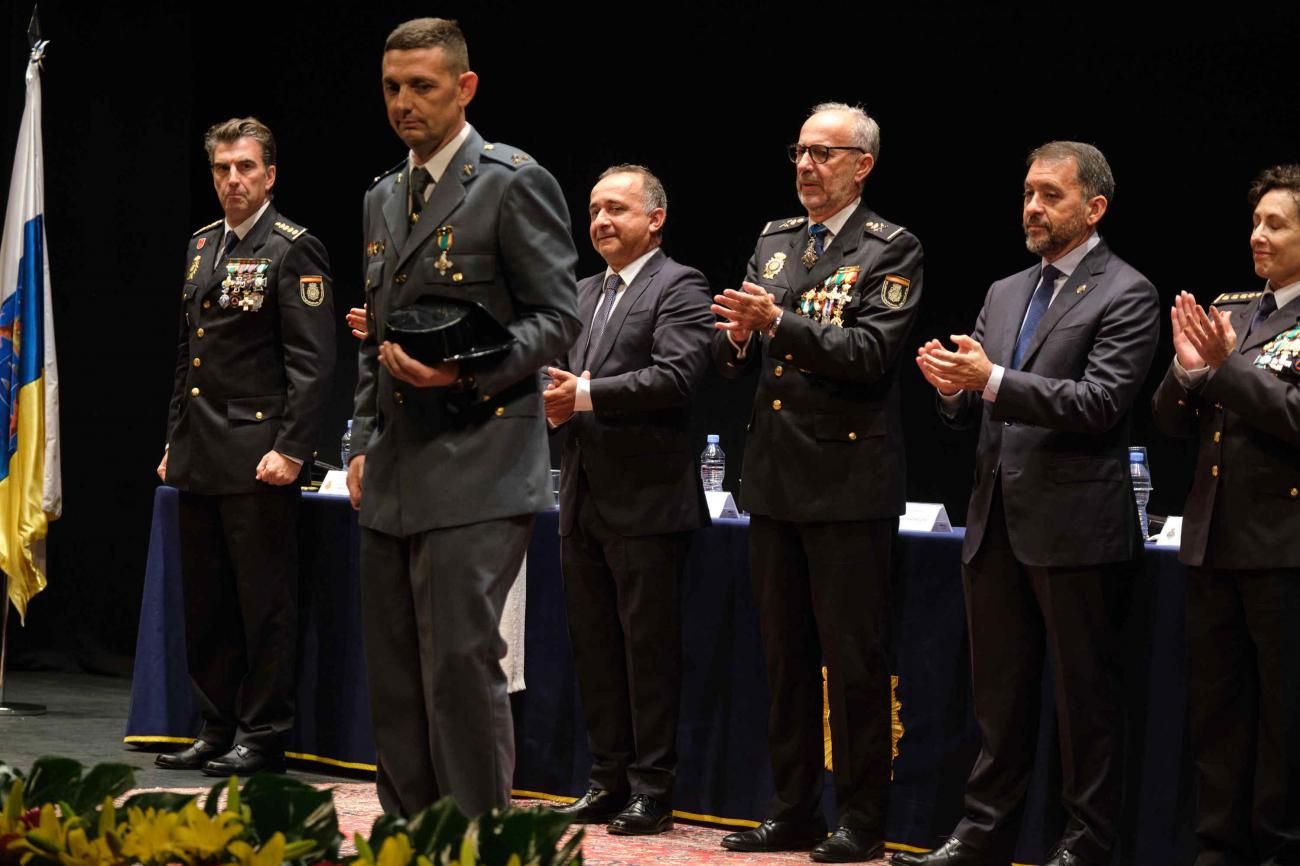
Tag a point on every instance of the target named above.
point(925, 517)
point(335, 483)
point(721, 504)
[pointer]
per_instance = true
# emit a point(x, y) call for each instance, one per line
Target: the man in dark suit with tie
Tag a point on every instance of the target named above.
point(253, 370)
point(450, 460)
point(828, 301)
point(1234, 384)
point(630, 497)
point(1050, 372)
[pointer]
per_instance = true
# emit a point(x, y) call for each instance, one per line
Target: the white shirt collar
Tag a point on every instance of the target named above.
point(1286, 294)
point(247, 225)
point(437, 163)
point(630, 270)
point(1068, 262)
point(836, 222)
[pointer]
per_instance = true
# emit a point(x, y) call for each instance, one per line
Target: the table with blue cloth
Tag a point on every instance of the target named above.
point(723, 774)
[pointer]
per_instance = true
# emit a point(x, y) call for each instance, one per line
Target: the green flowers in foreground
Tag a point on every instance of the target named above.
point(56, 816)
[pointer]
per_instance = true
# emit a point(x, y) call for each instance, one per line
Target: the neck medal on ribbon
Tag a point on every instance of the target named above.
point(1281, 354)
point(825, 303)
point(443, 238)
point(245, 284)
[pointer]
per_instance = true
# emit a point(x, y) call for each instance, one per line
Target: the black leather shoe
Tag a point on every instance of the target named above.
point(191, 757)
point(244, 761)
point(644, 816)
point(1063, 857)
point(774, 835)
point(954, 852)
point(847, 845)
point(594, 807)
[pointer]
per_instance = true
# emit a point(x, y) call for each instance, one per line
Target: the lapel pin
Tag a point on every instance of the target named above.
point(1083, 288)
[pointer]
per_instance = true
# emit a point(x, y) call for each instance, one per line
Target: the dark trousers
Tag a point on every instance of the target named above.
point(239, 566)
point(431, 614)
point(625, 626)
point(1013, 613)
point(1243, 663)
point(823, 596)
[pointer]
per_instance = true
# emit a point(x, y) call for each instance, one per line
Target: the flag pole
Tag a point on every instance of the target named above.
point(11, 708)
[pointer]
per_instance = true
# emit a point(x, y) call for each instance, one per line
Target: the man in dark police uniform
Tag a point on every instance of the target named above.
point(828, 301)
point(253, 372)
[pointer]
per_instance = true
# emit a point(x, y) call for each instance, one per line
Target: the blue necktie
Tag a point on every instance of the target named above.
point(231, 240)
point(816, 245)
point(1267, 307)
point(1037, 307)
point(602, 314)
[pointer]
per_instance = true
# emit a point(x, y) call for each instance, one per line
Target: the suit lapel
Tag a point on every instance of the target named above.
point(447, 195)
point(245, 249)
point(1001, 331)
point(1283, 319)
point(1085, 278)
point(630, 296)
point(843, 246)
point(588, 296)
point(395, 207)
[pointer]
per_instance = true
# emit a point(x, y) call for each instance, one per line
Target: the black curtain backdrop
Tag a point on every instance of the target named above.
point(1188, 109)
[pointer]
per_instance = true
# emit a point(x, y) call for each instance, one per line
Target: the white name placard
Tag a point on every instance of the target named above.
point(721, 504)
point(925, 517)
point(335, 483)
point(1171, 535)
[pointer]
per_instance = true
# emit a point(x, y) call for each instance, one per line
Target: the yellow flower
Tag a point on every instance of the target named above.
point(46, 839)
point(396, 851)
point(82, 851)
point(201, 837)
point(150, 835)
point(270, 854)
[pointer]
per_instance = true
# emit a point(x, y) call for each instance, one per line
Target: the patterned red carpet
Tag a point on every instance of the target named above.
point(357, 808)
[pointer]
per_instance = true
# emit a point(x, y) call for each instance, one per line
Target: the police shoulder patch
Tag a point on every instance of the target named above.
point(778, 226)
point(894, 290)
point(311, 288)
point(207, 228)
point(1235, 298)
point(290, 230)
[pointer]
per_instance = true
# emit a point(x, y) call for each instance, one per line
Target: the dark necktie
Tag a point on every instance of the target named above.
point(231, 240)
point(1037, 307)
point(1267, 307)
point(816, 245)
point(602, 314)
point(420, 180)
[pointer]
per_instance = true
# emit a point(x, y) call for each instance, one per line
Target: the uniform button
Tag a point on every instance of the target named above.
point(789, 357)
point(457, 277)
point(199, 332)
point(194, 392)
point(776, 404)
point(1214, 470)
point(1295, 492)
point(500, 410)
point(198, 362)
point(397, 397)
point(258, 416)
point(207, 305)
point(779, 371)
point(1182, 402)
point(1218, 406)
point(853, 437)
point(367, 282)
point(1217, 436)
point(487, 397)
point(399, 279)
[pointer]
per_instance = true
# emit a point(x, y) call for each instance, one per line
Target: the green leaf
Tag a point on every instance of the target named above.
point(281, 804)
point(104, 780)
point(436, 828)
point(213, 801)
point(364, 850)
point(52, 779)
point(571, 853)
point(163, 801)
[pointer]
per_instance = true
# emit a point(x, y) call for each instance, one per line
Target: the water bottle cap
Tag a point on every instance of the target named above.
point(713, 439)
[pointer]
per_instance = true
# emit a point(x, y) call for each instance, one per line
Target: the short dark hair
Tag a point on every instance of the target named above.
point(652, 189)
point(236, 128)
point(1093, 170)
point(1285, 177)
point(441, 33)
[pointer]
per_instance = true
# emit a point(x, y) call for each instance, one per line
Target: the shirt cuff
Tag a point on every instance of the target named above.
point(582, 399)
point(1190, 379)
point(949, 403)
point(994, 383)
point(741, 348)
point(290, 459)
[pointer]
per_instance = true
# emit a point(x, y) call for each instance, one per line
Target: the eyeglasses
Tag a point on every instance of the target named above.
point(820, 153)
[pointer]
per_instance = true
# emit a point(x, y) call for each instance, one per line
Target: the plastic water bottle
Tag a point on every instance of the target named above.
point(713, 464)
point(345, 447)
point(1140, 474)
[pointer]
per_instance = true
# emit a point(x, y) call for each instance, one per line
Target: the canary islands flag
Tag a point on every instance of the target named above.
point(31, 492)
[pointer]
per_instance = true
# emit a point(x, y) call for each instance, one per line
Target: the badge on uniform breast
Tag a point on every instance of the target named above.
point(893, 291)
point(825, 303)
point(245, 284)
point(194, 268)
point(312, 290)
point(443, 238)
point(374, 248)
point(1281, 355)
point(773, 266)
